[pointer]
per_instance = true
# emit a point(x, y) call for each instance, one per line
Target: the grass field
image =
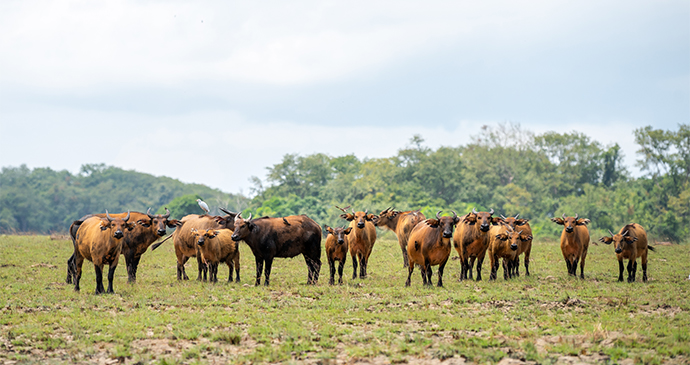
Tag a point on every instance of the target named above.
point(545, 318)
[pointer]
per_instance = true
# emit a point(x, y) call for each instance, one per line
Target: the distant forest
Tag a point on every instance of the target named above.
point(504, 168)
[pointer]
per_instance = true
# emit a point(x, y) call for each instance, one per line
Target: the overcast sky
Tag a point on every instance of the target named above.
point(214, 92)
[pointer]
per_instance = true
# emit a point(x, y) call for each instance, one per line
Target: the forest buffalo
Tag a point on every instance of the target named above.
point(216, 246)
point(574, 242)
point(429, 245)
point(281, 237)
point(361, 240)
point(520, 224)
point(100, 240)
point(336, 250)
point(471, 240)
point(401, 223)
point(630, 243)
point(148, 228)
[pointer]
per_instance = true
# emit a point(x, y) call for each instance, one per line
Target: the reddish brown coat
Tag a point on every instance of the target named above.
point(401, 223)
point(185, 243)
point(99, 240)
point(630, 243)
point(520, 224)
point(336, 250)
point(471, 240)
point(574, 242)
point(217, 246)
point(362, 239)
point(430, 245)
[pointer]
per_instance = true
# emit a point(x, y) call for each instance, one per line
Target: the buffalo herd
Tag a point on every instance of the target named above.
point(101, 238)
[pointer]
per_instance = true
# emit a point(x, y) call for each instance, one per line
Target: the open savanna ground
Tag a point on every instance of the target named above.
point(545, 318)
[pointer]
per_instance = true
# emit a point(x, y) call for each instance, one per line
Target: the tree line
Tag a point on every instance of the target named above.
point(504, 167)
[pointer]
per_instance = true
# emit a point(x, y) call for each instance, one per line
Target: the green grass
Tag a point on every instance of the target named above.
point(160, 320)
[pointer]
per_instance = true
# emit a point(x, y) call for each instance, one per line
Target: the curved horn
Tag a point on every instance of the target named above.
point(127, 217)
point(611, 233)
point(167, 215)
point(238, 216)
point(492, 211)
point(148, 211)
point(110, 219)
point(455, 215)
point(353, 211)
point(575, 216)
point(624, 233)
point(563, 216)
point(366, 211)
point(517, 215)
point(504, 218)
point(474, 211)
point(250, 217)
point(437, 214)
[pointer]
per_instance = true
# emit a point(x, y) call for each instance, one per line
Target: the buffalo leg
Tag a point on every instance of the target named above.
point(267, 271)
point(494, 268)
point(99, 279)
point(341, 266)
point(111, 276)
point(644, 271)
point(129, 264)
point(203, 269)
point(620, 270)
point(362, 267)
point(440, 272)
point(331, 266)
point(479, 268)
point(410, 269)
point(470, 267)
point(527, 254)
point(506, 269)
point(574, 267)
point(631, 271)
point(429, 274)
point(259, 270)
point(70, 270)
point(230, 267)
point(634, 270)
point(236, 264)
point(135, 266)
point(354, 267)
point(181, 273)
point(569, 266)
point(78, 261)
point(515, 271)
point(406, 260)
point(582, 262)
point(463, 269)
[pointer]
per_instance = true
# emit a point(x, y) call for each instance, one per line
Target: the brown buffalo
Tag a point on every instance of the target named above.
point(361, 240)
point(185, 243)
point(504, 243)
point(401, 223)
point(281, 237)
point(630, 243)
point(216, 246)
point(520, 224)
point(429, 245)
point(574, 242)
point(336, 250)
point(148, 228)
point(471, 240)
point(99, 240)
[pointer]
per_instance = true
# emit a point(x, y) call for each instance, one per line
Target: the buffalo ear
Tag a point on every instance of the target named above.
point(144, 222)
point(496, 221)
point(347, 230)
point(630, 239)
point(173, 223)
point(521, 222)
point(130, 226)
point(456, 220)
point(528, 238)
point(583, 221)
point(558, 220)
point(370, 217)
point(606, 239)
point(347, 216)
point(432, 222)
point(251, 226)
point(471, 218)
point(215, 233)
point(502, 236)
point(330, 230)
